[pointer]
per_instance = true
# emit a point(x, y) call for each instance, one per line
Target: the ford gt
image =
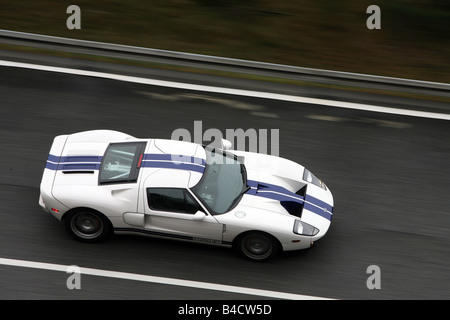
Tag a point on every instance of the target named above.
point(101, 182)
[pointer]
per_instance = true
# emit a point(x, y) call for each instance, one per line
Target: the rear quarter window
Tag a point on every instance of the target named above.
point(121, 162)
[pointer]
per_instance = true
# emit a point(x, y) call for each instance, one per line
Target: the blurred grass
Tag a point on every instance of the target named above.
point(413, 41)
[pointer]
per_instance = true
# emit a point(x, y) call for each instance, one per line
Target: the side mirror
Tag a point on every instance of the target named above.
point(198, 216)
point(226, 144)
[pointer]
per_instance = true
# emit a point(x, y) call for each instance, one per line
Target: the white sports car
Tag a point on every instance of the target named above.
point(102, 181)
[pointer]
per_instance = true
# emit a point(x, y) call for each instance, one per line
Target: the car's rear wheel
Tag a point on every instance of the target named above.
point(257, 246)
point(87, 225)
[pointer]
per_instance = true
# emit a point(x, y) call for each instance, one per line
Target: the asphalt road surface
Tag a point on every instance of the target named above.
point(389, 176)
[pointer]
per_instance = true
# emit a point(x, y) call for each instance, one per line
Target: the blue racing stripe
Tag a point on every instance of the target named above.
point(174, 158)
point(288, 198)
point(320, 211)
point(73, 162)
point(57, 159)
point(168, 161)
point(51, 166)
point(74, 166)
point(81, 159)
point(53, 158)
point(173, 165)
point(319, 203)
point(272, 191)
point(173, 161)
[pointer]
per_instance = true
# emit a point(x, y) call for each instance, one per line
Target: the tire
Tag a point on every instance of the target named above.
point(257, 246)
point(87, 225)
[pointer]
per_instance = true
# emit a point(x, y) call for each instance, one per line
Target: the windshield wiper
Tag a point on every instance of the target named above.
point(244, 191)
point(238, 197)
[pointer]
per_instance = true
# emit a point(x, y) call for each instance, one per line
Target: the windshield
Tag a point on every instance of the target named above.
point(223, 183)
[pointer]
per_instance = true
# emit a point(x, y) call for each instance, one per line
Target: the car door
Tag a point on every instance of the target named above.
point(175, 212)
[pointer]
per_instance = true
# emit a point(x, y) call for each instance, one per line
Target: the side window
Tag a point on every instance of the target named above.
point(172, 200)
point(121, 162)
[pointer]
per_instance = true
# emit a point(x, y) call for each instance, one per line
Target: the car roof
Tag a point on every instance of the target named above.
point(182, 163)
point(166, 163)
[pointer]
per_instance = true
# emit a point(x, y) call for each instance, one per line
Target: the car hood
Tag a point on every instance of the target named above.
point(277, 187)
point(272, 170)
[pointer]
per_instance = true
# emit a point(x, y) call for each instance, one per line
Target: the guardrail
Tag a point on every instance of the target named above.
point(214, 62)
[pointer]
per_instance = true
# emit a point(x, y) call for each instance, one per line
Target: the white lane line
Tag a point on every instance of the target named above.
point(159, 280)
point(239, 92)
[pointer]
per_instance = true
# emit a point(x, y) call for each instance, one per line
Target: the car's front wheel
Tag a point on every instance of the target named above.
point(87, 225)
point(257, 246)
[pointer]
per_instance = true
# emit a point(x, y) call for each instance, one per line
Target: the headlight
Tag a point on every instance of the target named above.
point(309, 177)
point(304, 229)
